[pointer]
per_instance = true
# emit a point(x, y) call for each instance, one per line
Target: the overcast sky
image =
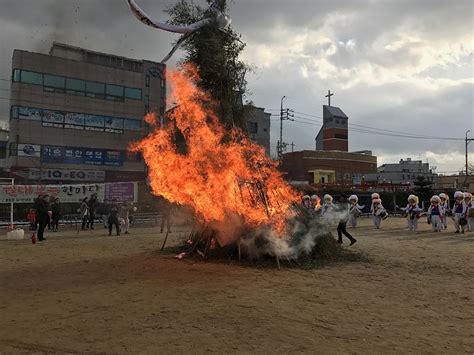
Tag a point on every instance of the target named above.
point(398, 65)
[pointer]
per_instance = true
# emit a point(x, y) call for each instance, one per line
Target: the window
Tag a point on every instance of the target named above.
point(114, 92)
point(132, 125)
point(134, 94)
point(94, 89)
point(253, 127)
point(54, 81)
point(75, 86)
point(16, 75)
point(29, 77)
point(14, 112)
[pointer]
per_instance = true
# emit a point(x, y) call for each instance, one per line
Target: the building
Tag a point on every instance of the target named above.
point(404, 172)
point(454, 182)
point(334, 134)
point(4, 133)
point(321, 167)
point(258, 125)
point(331, 162)
point(74, 113)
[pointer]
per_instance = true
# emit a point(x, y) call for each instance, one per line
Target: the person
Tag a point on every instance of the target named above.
point(84, 212)
point(435, 212)
point(446, 210)
point(31, 216)
point(378, 212)
point(327, 206)
point(103, 210)
point(469, 210)
point(307, 202)
point(459, 211)
point(56, 214)
point(355, 210)
point(92, 209)
point(413, 212)
point(343, 209)
point(113, 218)
point(124, 215)
point(41, 207)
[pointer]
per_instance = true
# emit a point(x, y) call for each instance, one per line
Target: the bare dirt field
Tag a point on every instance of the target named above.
point(89, 292)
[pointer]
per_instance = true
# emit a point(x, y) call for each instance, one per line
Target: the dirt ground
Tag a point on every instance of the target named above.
point(89, 292)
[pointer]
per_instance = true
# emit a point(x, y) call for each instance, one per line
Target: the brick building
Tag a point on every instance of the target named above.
point(74, 113)
point(331, 162)
point(334, 134)
point(323, 167)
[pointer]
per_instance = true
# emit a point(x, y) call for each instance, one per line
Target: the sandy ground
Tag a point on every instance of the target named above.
point(89, 292)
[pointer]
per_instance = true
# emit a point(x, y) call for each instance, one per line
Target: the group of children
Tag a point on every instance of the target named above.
point(462, 210)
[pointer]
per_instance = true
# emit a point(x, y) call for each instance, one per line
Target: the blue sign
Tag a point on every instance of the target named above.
point(76, 155)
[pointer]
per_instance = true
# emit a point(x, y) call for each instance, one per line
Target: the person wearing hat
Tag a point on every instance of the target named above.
point(435, 212)
point(459, 211)
point(307, 202)
point(378, 212)
point(446, 210)
point(354, 210)
point(413, 212)
point(469, 207)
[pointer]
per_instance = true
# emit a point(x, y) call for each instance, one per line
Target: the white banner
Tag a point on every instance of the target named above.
point(66, 175)
point(122, 191)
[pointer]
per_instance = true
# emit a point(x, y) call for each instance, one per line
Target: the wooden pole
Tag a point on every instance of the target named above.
point(164, 241)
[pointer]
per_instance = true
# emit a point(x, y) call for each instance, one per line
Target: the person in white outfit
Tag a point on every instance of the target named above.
point(435, 212)
point(378, 212)
point(413, 212)
point(469, 207)
point(354, 210)
point(459, 211)
point(446, 209)
point(315, 202)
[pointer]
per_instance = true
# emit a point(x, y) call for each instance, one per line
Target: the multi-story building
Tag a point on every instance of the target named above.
point(403, 172)
point(258, 125)
point(74, 112)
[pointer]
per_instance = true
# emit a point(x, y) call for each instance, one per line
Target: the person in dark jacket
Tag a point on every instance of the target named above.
point(114, 217)
point(56, 214)
point(92, 209)
point(84, 212)
point(343, 209)
point(41, 206)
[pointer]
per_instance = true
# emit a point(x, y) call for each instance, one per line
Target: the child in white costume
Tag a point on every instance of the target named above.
point(315, 202)
point(469, 207)
point(413, 212)
point(459, 210)
point(327, 204)
point(355, 210)
point(446, 209)
point(435, 212)
point(378, 212)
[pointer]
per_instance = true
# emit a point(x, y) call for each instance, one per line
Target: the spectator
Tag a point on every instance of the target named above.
point(343, 211)
point(124, 215)
point(92, 209)
point(104, 210)
point(114, 217)
point(84, 212)
point(42, 215)
point(56, 214)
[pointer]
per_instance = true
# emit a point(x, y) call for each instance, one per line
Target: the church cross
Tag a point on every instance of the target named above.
point(329, 97)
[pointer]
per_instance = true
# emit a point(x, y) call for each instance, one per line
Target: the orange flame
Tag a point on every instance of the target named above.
point(221, 174)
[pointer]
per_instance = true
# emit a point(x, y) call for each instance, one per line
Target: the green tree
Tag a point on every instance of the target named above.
point(215, 53)
point(423, 188)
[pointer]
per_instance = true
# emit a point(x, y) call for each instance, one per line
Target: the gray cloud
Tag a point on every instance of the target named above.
point(400, 65)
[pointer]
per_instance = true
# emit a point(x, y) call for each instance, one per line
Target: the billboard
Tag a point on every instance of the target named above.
point(29, 150)
point(77, 155)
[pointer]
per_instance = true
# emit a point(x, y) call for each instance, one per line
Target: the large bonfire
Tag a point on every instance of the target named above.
point(232, 187)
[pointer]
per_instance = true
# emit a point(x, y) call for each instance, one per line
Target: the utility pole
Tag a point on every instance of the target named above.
point(467, 140)
point(280, 142)
point(292, 147)
point(285, 114)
